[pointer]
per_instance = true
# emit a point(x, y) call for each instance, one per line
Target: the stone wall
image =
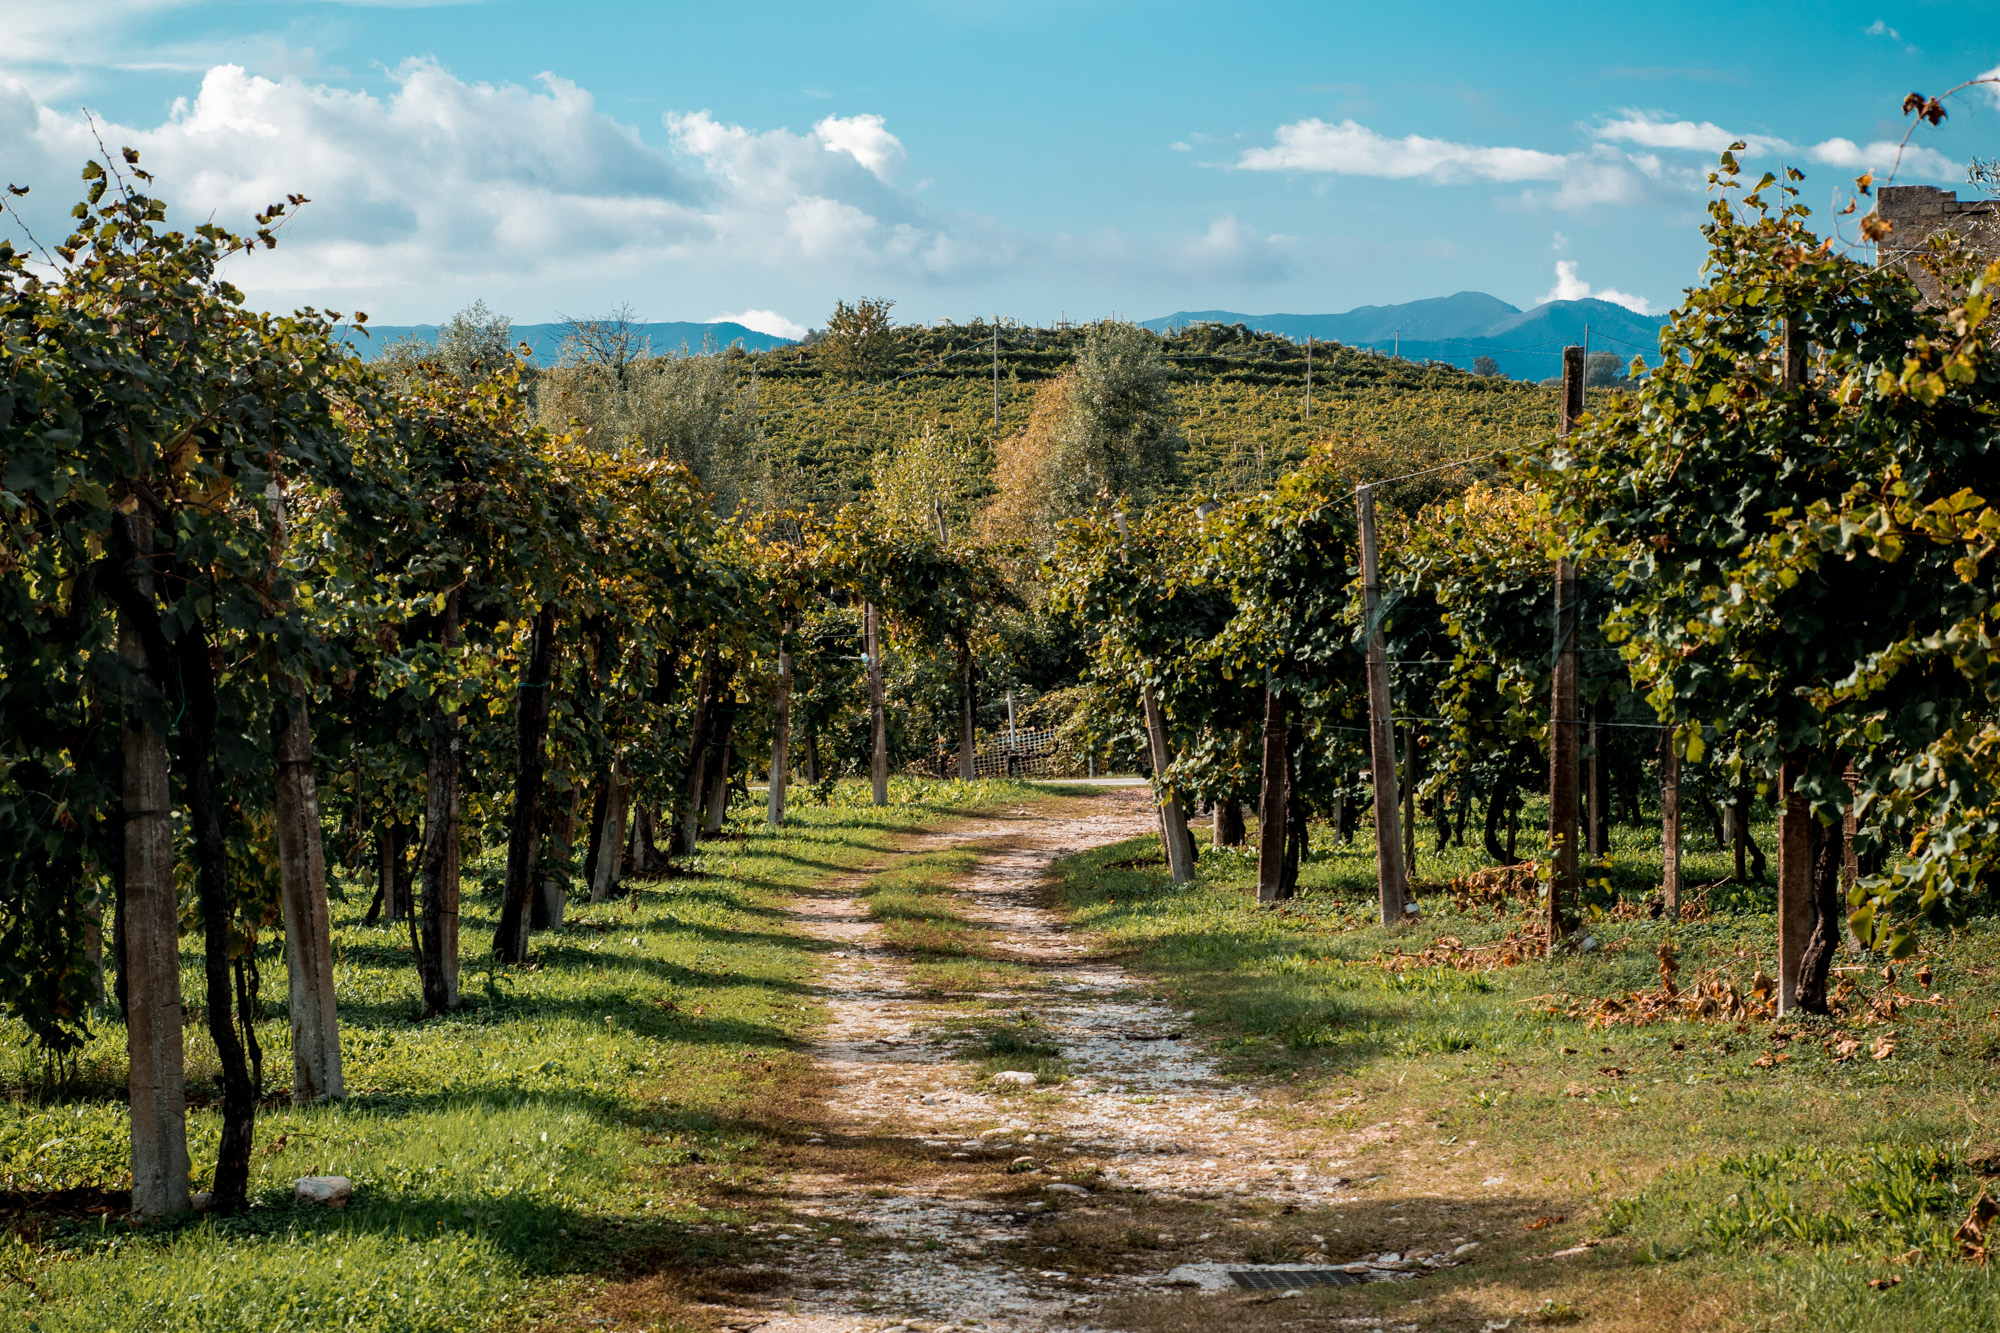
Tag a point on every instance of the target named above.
point(1918, 212)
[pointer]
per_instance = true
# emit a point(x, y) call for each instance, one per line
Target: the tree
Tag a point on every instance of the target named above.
point(1485, 365)
point(1119, 437)
point(1789, 500)
point(860, 342)
point(172, 425)
point(472, 344)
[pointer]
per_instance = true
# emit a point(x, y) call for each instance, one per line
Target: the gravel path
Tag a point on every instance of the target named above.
point(1144, 1107)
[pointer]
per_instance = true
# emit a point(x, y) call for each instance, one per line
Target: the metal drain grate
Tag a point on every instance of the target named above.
point(1278, 1279)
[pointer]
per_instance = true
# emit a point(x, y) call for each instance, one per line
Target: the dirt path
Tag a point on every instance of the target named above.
point(952, 1239)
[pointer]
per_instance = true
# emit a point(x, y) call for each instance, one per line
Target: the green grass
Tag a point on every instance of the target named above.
point(1749, 1158)
point(577, 1122)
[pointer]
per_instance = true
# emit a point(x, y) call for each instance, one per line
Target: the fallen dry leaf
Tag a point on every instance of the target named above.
point(1770, 1058)
point(1611, 1071)
point(1845, 1048)
point(1884, 1283)
point(1576, 1090)
point(1924, 975)
point(1884, 1049)
point(1544, 1223)
point(1971, 1234)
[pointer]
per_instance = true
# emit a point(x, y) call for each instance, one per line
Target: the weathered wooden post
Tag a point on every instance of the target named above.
point(1670, 825)
point(1390, 876)
point(1564, 721)
point(1795, 832)
point(1174, 836)
point(1272, 796)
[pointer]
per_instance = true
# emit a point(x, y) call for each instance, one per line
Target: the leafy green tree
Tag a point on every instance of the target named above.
point(1789, 501)
point(1119, 437)
point(861, 343)
point(167, 424)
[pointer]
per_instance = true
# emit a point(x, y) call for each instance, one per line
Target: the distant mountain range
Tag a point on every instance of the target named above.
point(1527, 344)
point(546, 339)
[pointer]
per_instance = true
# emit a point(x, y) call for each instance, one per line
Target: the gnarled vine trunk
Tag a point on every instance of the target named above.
point(531, 734)
point(195, 674)
point(436, 938)
point(316, 1071)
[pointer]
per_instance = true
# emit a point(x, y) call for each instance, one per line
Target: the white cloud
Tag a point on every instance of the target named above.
point(862, 138)
point(444, 183)
point(1639, 127)
point(1879, 28)
point(1598, 175)
point(1231, 251)
point(763, 321)
point(1352, 149)
point(1570, 287)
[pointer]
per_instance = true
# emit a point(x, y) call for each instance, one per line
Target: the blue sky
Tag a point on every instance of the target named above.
point(1027, 159)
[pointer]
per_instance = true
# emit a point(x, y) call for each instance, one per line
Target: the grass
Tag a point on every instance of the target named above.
point(578, 1135)
point(1728, 1174)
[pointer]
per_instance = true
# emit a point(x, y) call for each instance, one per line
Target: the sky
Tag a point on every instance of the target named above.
point(1030, 160)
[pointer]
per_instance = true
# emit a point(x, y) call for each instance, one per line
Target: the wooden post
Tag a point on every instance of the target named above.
point(1599, 841)
point(1795, 895)
point(1409, 792)
point(1670, 824)
point(1565, 733)
point(1795, 840)
point(1173, 814)
point(968, 743)
point(1572, 390)
point(1174, 835)
point(1272, 798)
point(1850, 859)
point(1390, 876)
point(878, 764)
point(781, 741)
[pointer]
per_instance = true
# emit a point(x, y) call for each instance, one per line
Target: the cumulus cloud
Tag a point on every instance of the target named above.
point(442, 179)
point(862, 138)
point(1352, 149)
point(1569, 287)
point(1233, 252)
point(1625, 167)
point(1597, 175)
point(763, 321)
point(1638, 127)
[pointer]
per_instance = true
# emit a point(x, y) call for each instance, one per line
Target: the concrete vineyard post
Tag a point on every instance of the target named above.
point(157, 1079)
point(1390, 878)
point(878, 765)
point(316, 1073)
point(781, 741)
